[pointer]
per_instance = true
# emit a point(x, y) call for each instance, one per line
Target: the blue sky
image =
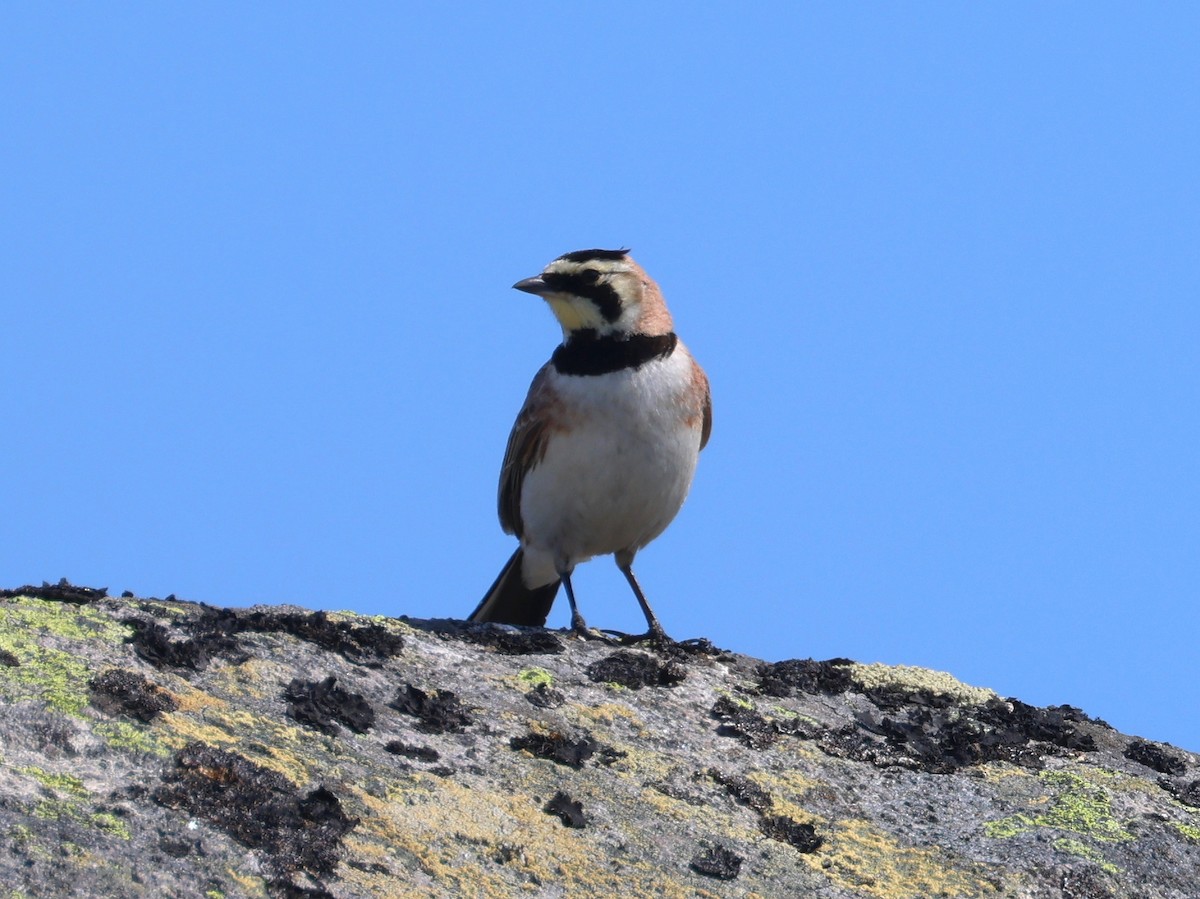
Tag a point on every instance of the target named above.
point(940, 262)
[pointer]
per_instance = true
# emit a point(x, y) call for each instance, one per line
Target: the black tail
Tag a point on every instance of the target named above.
point(509, 601)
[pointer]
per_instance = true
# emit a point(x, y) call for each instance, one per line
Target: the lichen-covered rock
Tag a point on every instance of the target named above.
point(160, 748)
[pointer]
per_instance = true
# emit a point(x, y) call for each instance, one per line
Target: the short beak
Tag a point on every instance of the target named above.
point(532, 285)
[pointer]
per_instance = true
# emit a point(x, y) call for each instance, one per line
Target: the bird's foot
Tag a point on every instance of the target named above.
point(580, 629)
point(656, 638)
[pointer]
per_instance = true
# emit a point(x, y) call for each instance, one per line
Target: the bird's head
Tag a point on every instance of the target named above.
point(601, 292)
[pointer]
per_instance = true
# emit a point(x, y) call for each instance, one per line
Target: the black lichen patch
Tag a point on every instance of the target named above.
point(934, 734)
point(259, 808)
point(214, 632)
point(719, 862)
point(563, 750)
point(152, 642)
point(781, 679)
point(557, 748)
point(289, 890)
point(409, 751)
point(803, 837)
point(120, 692)
point(917, 727)
point(568, 810)
point(678, 793)
point(696, 646)
point(743, 789)
point(545, 696)
point(1190, 795)
point(63, 591)
point(635, 670)
point(368, 644)
point(8, 660)
point(436, 713)
point(744, 723)
point(1187, 794)
point(1083, 883)
point(1056, 725)
point(323, 704)
point(914, 727)
point(364, 644)
point(516, 643)
point(506, 854)
point(1161, 758)
point(177, 847)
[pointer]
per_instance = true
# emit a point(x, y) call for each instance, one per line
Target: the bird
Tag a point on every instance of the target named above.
point(603, 452)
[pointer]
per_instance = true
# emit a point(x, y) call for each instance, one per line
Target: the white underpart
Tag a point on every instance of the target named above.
point(619, 475)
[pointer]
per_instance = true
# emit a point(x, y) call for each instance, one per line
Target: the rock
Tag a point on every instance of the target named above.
point(161, 748)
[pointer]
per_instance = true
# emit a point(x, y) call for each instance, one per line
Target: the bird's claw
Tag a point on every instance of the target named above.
point(656, 637)
point(580, 629)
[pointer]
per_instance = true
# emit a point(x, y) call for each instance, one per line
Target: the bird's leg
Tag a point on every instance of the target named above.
point(577, 623)
point(579, 627)
point(655, 634)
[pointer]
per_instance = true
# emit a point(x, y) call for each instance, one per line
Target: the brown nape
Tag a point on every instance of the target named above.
point(654, 318)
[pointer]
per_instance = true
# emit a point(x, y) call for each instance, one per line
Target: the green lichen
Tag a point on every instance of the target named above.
point(740, 701)
point(59, 783)
point(535, 677)
point(54, 810)
point(1080, 806)
point(48, 639)
point(67, 802)
point(1007, 828)
point(29, 842)
point(110, 824)
point(779, 713)
point(1191, 831)
point(58, 619)
point(131, 738)
point(1082, 850)
point(1083, 807)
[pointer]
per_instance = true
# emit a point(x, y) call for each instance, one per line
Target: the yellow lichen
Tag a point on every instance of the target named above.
point(252, 887)
point(604, 714)
point(995, 772)
point(190, 699)
point(858, 855)
point(253, 679)
point(424, 824)
point(870, 862)
point(910, 677)
point(264, 740)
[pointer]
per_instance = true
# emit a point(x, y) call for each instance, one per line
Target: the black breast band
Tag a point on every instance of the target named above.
point(590, 355)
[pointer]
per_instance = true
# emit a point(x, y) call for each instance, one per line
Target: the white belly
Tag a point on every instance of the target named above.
point(617, 478)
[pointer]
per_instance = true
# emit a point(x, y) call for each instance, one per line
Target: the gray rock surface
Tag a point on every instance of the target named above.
point(166, 749)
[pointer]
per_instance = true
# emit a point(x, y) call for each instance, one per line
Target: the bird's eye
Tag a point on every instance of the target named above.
point(589, 276)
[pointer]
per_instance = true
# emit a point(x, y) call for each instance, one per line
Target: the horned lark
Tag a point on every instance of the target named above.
point(602, 454)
